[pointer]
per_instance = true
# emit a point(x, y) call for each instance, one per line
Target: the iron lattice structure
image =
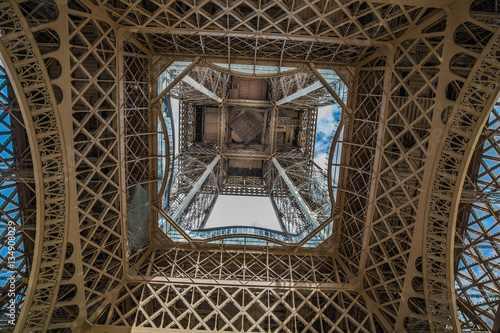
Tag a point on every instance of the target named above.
point(412, 242)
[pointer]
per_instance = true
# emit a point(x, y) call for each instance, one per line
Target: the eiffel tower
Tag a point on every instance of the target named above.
point(125, 123)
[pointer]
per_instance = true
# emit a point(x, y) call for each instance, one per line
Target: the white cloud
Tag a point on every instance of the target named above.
point(328, 120)
point(321, 160)
point(234, 210)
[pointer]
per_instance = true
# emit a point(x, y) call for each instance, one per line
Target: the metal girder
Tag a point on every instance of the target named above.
point(263, 35)
point(300, 93)
point(418, 261)
point(480, 196)
point(238, 283)
point(329, 88)
point(23, 175)
point(196, 188)
point(52, 212)
point(172, 84)
point(201, 89)
point(300, 201)
point(247, 102)
point(259, 32)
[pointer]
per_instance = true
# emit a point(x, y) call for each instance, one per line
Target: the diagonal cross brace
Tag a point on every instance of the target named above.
point(196, 188)
point(300, 93)
point(295, 192)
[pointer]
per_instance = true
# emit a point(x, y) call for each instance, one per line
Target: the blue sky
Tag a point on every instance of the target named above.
point(328, 120)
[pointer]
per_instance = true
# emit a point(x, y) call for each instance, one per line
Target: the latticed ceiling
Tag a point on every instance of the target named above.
point(411, 239)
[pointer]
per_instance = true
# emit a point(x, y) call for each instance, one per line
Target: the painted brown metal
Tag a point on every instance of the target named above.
point(424, 79)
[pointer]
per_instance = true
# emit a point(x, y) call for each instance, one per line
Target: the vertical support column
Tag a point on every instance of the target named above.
point(153, 118)
point(308, 132)
point(271, 146)
point(154, 109)
point(121, 132)
point(66, 84)
point(222, 128)
point(376, 163)
point(266, 114)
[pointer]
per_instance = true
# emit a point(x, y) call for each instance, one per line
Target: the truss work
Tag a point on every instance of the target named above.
point(400, 233)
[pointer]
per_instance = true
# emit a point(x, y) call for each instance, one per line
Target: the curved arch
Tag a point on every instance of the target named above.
point(333, 148)
point(254, 76)
point(246, 236)
point(168, 166)
point(36, 98)
point(477, 97)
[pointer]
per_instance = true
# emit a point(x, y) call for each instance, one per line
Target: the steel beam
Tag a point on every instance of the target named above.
point(329, 88)
point(238, 283)
point(196, 188)
point(266, 36)
point(295, 192)
point(248, 102)
point(201, 88)
point(176, 80)
point(300, 93)
point(466, 308)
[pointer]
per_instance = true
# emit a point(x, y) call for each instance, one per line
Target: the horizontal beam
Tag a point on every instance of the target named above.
point(244, 154)
point(248, 102)
point(257, 35)
point(300, 64)
point(300, 93)
point(418, 3)
point(239, 283)
point(130, 329)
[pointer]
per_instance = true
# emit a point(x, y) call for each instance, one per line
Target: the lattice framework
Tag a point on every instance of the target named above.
point(406, 154)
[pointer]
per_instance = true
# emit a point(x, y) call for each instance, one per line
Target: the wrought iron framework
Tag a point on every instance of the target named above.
point(17, 197)
point(411, 243)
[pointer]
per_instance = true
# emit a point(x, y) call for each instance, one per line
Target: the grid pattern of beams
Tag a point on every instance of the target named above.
point(418, 110)
point(98, 139)
point(141, 125)
point(181, 289)
point(17, 203)
point(22, 56)
point(481, 89)
point(476, 251)
point(323, 31)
